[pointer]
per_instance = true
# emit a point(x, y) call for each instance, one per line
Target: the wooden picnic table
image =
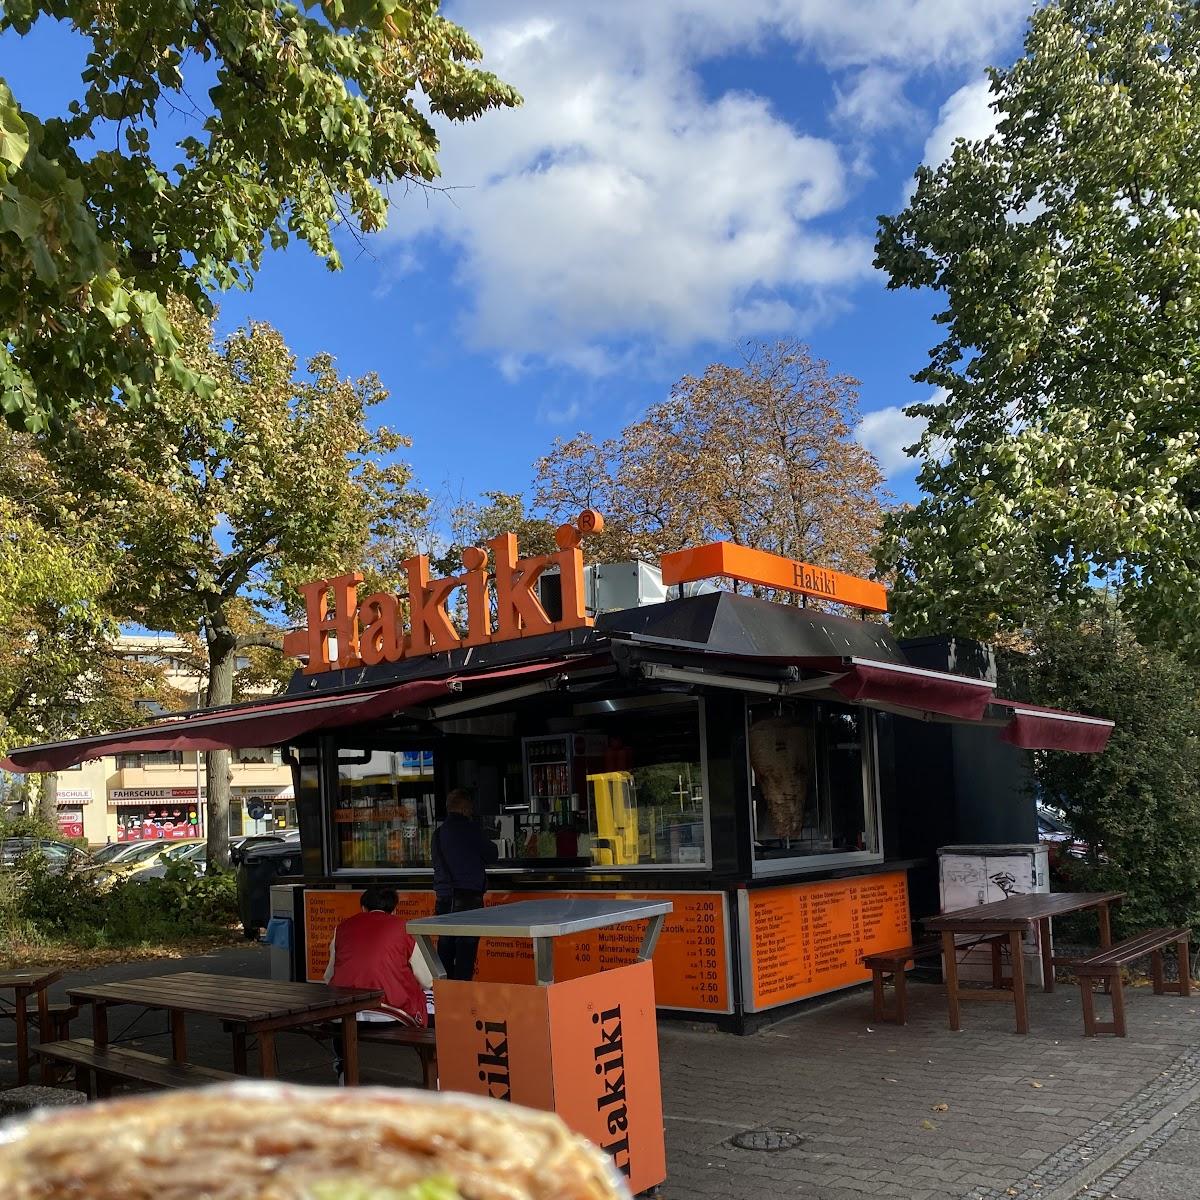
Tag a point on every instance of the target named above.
point(1015, 916)
point(24, 984)
point(259, 1007)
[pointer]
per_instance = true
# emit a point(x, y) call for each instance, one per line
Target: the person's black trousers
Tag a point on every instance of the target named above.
point(458, 953)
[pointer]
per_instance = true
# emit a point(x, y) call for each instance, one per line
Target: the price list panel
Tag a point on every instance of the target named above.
point(691, 963)
point(809, 938)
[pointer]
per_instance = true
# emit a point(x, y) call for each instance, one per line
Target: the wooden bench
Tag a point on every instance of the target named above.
point(422, 1041)
point(892, 964)
point(1106, 964)
point(96, 1068)
point(61, 1014)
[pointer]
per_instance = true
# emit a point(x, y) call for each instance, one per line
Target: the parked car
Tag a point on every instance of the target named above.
point(118, 864)
point(155, 866)
point(116, 851)
point(126, 854)
point(1058, 835)
point(58, 855)
point(239, 847)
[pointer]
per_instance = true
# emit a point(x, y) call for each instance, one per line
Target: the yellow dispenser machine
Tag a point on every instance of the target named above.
point(613, 804)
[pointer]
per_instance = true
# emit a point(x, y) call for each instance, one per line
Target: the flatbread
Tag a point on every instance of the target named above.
point(271, 1142)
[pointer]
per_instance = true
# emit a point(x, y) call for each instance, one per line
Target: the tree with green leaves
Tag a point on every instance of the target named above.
point(60, 671)
point(312, 112)
point(222, 506)
point(1137, 805)
point(1063, 448)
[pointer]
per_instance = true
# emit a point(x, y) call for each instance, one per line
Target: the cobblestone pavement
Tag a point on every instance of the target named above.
point(913, 1113)
point(1038, 1116)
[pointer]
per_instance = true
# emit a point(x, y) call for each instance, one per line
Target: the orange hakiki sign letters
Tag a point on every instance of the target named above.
point(729, 561)
point(343, 631)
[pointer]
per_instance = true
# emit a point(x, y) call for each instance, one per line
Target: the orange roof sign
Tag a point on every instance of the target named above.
point(344, 631)
point(726, 560)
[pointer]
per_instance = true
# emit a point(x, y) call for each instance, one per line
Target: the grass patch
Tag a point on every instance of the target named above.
point(22, 955)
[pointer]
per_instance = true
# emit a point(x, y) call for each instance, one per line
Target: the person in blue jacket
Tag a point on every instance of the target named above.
point(461, 854)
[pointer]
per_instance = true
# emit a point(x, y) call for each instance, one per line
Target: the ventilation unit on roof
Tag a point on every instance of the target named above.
point(611, 587)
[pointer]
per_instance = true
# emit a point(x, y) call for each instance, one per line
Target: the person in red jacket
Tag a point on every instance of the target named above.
point(372, 949)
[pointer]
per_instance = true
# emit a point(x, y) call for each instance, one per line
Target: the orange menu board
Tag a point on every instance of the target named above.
point(691, 963)
point(809, 938)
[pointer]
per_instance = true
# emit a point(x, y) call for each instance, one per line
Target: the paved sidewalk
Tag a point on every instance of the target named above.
point(1038, 1116)
point(917, 1113)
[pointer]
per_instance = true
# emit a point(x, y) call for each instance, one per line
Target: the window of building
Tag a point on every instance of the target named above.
point(383, 813)
point(258, 755)
point(150, 758)
point(157, 660)
point(237, 813)
point(627, 790)
point(812, 781)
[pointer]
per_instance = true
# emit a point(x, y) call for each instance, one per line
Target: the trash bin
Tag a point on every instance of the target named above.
point(585, 1048)
point(259, 869)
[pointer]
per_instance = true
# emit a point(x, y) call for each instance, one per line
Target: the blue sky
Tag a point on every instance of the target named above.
point(684, 175)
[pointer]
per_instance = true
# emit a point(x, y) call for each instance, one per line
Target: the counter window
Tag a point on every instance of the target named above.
point(813, 781)
point(627, 790)
point(383, 812)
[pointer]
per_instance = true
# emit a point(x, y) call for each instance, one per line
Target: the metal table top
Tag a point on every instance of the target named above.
point(539, 918)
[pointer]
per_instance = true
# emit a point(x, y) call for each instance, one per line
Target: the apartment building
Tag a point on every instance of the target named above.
point(131, 797)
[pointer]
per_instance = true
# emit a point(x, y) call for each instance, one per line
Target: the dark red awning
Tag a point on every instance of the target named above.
point(1036, 728)
point(266, 723)
point(896, 686)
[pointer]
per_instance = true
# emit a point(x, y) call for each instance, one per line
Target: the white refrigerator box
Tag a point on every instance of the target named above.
point(972, 875)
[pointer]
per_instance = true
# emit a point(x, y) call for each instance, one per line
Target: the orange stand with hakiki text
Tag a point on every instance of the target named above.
point(585, 1048)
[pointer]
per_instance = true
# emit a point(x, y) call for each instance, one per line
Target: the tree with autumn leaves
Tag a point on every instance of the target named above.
point(760, 452)
point(60, 673)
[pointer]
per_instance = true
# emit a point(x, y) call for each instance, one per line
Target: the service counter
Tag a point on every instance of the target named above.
point(728, 950)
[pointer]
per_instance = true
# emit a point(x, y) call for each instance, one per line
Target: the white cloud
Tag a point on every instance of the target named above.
point(889, 432)
point(874, 101)
point(624, 210)
point(967, 114)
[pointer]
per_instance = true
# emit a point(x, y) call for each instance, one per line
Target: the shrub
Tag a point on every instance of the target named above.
point(1137, 805)
point(32, 824)
point(76, 906)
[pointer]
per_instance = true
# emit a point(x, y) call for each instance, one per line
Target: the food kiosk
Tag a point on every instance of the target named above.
point(771, 767)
